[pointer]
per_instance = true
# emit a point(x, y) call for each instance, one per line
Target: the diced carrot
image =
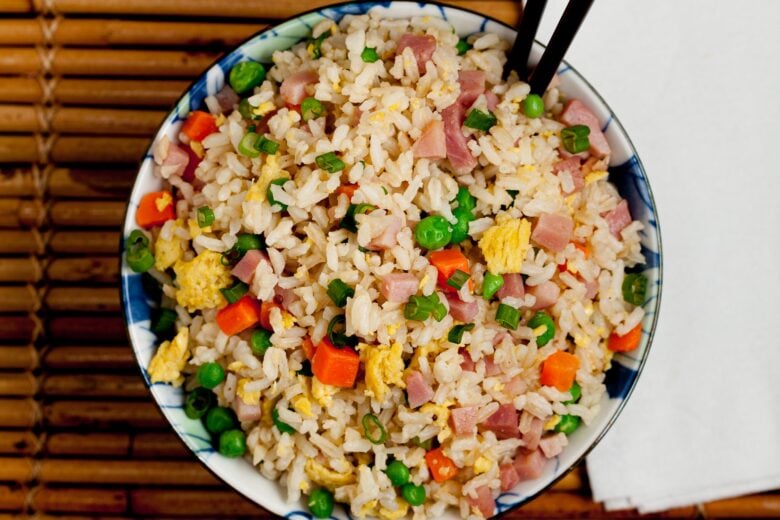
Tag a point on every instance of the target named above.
point(308, 348)
point(239, 316)
point(265, 313)
point(347, 189)
point(335, 366)
point(447, 261)
point(559, 370)
point(584, 248)
point(155, 209)
point(293, 108)
point(626, 343)
point(441, 466)
point(198, 125)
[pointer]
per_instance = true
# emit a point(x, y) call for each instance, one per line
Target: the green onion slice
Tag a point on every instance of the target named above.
point(339, 292)
point(338, 337)
point(137, 253)
point(348, 222)
point(456, 333)
point(247, 144)
point(373, 429)
point(266, 145)
point(575, 138)
point(311, 109)
point(315, 45)
point(329, 162)
point(462, 47)
point(163, 321)
point(507, 316)
point(234, 293)
point(635, 288)
point(457, 279)
point(205, 216)
point(479, 120)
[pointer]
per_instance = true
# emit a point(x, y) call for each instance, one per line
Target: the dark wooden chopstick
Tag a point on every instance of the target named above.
point(526, 32)
point(560, 41)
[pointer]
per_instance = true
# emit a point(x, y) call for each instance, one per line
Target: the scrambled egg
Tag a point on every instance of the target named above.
point(425, 351)
point(323, 393)
point(552, 422)
point(168, 252)
point(251, 398)
point(163, 201)
point(368, 509)
point(288, 320)
point(235, 366)
point(400, 512)
point(326, 477)
point(269, 171)
point(441, 414)
point(170, 358)
point(220, 120)
point(200, 281)
point(482, 465)
point(195, 230)
point(504, 244)
point(267, 407)
point(302, 405)
point(384, 367)
point(595, 176)
point(198, 149)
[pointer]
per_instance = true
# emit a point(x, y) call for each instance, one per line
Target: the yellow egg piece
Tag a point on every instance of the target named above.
point(504, 244)
point(326, 477)
point(200, 280)
point(400, 512)
point(170, 359)
point(269, 171)
point(251, 398)
point(302, 405)
point(322, 393)
point(482, 465)
point(167, 252)
point(384, 367)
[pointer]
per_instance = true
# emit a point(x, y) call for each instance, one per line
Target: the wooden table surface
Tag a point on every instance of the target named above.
point(83, 86)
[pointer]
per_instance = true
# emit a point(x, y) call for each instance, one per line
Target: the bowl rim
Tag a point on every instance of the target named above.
point(269, 29)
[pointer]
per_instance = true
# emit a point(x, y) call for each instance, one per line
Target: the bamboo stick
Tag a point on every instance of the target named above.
point(87, 329)
point(78, 299)
point(70, 31)
point(144, 445)
point(18, 384)
point(18, 443)
point(93, 213)
point(16, 6)
point(21, 241)
point(91, 183)
point(105, 62)
point(78, 500)
point(20, 328)
point(93, 385)
point(16, 213)
point(74, 120)
point(12, 498)
point(753, 506)
point(83, 269)
point(88, 242)
point(191, 502)
point(19, 299)
point(85, 471)
point(93, 149)
point(18, 182)
point(84, 91)
point(18, 358)
point(26, 269)
point(18, 413)
point(88, 357)
point(102, 414)
point(20, 90)
point(103, 444)
point(148, 445)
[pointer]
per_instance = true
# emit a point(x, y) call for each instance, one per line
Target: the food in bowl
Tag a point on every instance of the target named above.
point(390, 278)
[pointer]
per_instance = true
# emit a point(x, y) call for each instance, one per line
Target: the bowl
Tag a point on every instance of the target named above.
point(625, 171)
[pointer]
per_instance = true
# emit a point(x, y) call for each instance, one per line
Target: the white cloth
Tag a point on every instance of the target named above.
point(696, 84)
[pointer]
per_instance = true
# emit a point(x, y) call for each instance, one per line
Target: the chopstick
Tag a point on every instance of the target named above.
point(564, 33)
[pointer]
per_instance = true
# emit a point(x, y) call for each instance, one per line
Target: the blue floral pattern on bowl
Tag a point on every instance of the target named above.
point(625, 171)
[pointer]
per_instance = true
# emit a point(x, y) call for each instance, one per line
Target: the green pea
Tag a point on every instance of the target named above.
point(568, 424)
point(491, 283)
point(246, 75)
point(576, 392)
point(260, 341)
point(533, 106)
point(415, 495)
point(232, 443)
point(199, 402)
point(321, 503)
point(398, 473)
point(460, 231)
point(539, 319)
point(433, 232)
point(220, 419)
point(465, 199)
point(210, 375)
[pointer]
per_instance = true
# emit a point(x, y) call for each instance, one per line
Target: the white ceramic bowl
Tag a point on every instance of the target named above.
point(625, 171)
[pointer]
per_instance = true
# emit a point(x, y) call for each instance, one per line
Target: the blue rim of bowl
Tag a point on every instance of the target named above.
point(640, 166)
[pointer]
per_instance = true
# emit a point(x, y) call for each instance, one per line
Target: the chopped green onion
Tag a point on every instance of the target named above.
point(247, 111)
point(369, 55)
point(456, 333)
point(491, 283)
point(507, 316)
point(246, 146)
point(247, 241)
point(251, 128)
point(281, 181)
point(373, 430)
point(163, 321)
point(210, 375)
point(568, 423)
point(575, 138)
point(635, 288)
point(205, 216)
point(246, 75)
point(329, 162)
point(282, 426)
point(305, 369)
point(427, 444)
point(339, 292)
point(234, 293)
point(415, 309)
point(540, 319)
point(311, 109)
point(266, 145)
point(338, 337)
point(433, 232)
point(348, 222)
point(439, 311)
point(462, 47)
point(479, 120)
point(533, 106)
point(315, 45)
point(137, 253)
point(576, 392)
point(231, 257)
point(199, 402)
point(457, 279)
point(260, 341)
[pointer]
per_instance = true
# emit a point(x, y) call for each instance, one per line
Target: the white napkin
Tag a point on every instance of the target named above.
point(697, 86)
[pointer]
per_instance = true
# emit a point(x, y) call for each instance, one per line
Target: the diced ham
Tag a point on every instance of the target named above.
point(504, 422)
point(458, 151)
point(532, 437)
point(472, 85)
point(591, 289)
point(499, 337)
point(484, 501)
point(491, 367)
point(227, 99)
point(418, 390)
point(529, 464)
point(432, 143)
point(512, 288)
point(192, 164)
point(244, 270)
point(464, 420)
point(576, 113)
point(285, 297)
point(553, 231)
point(293, 88)
point(516, 386)
point(177, 159)
point(572, 166)
point(552, 445)
point(387, 238)
point(618, 218)
point(492, 100)
point(467, 365)
point(508, 475)
point(422, 46)
point(247, 412)
point(546, 293)
point(398, 287)
point(460, 310)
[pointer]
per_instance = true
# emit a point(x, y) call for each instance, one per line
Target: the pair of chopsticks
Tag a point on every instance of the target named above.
point(564, 33)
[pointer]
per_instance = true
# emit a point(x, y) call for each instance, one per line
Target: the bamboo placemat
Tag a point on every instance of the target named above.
point(83, 86)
